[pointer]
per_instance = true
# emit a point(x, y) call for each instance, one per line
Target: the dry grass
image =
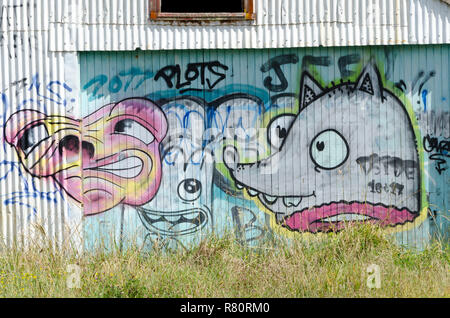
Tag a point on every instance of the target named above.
point(335, 267)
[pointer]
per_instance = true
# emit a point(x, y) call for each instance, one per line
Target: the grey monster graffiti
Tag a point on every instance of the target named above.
point(349, 155)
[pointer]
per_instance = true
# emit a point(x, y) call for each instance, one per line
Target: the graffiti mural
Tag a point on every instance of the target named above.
point(170, 147)
point(182, 208)
point(328, 185)
point(109, 157)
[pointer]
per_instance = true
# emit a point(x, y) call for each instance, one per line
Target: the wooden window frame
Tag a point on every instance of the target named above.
point(156, 14)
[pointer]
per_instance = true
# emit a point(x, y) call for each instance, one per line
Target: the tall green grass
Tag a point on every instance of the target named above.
point(220, 267)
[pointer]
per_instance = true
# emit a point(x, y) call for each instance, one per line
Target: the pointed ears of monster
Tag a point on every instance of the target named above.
point(369, 81)
point(310, 90)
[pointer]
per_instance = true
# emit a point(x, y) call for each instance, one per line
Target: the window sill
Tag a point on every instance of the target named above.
point(223, 16)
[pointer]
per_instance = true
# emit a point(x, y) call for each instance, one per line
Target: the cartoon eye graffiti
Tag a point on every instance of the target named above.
point(189, 189)
point(278, 129)
point(32, 137)
point(133, 128)
point(329, 149)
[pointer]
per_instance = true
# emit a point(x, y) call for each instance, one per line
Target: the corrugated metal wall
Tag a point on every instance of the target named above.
point(40, 70)
point(33, 77)
point(382, 112)
point(124, 25)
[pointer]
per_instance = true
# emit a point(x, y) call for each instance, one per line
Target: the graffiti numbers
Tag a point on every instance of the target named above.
point(122, 80)
point(393, 188)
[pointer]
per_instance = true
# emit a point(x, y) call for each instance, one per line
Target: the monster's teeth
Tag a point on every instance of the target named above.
point(346, 217)
point(292, 201)
point(252, 192)
point(270, 199)
point(239, 186)
point(172, 218)
point(125, 168)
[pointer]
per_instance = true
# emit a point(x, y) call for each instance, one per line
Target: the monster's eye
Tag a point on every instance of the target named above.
point(278, 130)
point(329, 149)
point(133, 128)
point(189, 189)
point(31, 137)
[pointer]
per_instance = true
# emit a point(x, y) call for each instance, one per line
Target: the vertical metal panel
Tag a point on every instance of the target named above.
point(32, 210)
point(124, 25)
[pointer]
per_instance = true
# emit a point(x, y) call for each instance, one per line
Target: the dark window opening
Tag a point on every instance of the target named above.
point(197, 10)
point(201, 6)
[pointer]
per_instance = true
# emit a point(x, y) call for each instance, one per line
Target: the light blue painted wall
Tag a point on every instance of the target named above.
point(204, 92)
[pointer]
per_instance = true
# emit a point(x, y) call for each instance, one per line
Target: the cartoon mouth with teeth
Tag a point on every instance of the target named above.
point(348, 156)
point(109, 157)
point(181, 211)
point(187, 216)
point(174, 223)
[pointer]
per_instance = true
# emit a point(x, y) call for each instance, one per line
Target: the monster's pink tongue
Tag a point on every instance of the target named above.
point(335, 216)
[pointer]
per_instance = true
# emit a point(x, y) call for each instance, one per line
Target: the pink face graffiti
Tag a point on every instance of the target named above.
point(109, 157)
